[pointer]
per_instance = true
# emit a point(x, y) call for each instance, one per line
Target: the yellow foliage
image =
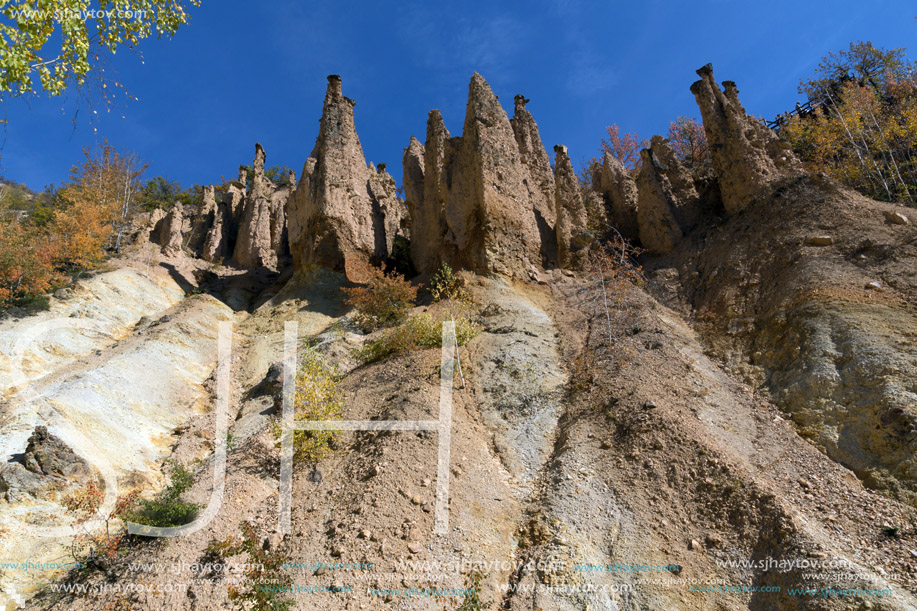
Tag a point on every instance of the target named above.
point(97, 205)
point(863, 138)
point(317, 397)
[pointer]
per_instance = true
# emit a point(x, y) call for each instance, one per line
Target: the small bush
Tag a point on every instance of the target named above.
point(101, 546)
point(420, 331)
point(168, 509)
point(446, 285)
point(265, 584)
point(317, 397)
point(384, 301)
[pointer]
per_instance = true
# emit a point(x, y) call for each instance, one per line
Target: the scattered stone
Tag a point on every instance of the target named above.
point(896, 218)
point(414, 547)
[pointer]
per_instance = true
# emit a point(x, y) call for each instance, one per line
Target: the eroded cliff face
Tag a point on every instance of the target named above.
point(668, 203)
point(572, 235)
point(619, 193)
point(247, 228)
point(588, 427)
point(808, 292)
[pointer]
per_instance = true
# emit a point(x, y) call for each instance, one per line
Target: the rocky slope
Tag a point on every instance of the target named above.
point(735, 431)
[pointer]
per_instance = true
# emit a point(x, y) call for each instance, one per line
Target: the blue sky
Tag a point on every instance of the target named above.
point(243, 72)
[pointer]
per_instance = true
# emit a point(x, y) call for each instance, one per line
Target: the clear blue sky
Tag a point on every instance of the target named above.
point(243, 72)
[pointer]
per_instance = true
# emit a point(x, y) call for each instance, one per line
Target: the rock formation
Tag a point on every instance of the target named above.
point(389, 212)
point(747, 156)
point(540, 179)
point(620, 193)
point(428, 219)
point(151, 229)
point(262, 228)
point(668, 203)
point(412, 163)
point(572, 235)
point(47, 463)
point(170, 236)
point(490, 219)
point(202, 221)
point(330, 214)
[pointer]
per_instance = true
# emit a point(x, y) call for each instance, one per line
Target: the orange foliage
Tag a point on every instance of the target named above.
point(26, 262)
point(689, 141)
point(97, 206)
point(385, 300)
point(625, 147)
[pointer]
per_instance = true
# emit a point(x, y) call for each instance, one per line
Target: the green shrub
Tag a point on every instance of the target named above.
point(167, 509)
point(385, 300)
point(265, 584)
point(317, 396)
point(420, 331)
point(446, 285)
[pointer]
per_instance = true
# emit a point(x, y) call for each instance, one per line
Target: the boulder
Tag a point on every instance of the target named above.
point(570, 210)
point(48, 465)
point(619, 190)
point(747, 156)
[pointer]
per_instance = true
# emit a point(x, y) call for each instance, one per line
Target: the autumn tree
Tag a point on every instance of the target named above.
point(689, 141)
point(862, 63)
point(97, 206)
point(864, 132)
point(51, 44)
point(625, 147)
point(27, 257)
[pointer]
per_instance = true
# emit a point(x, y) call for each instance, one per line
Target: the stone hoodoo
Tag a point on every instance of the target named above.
point(477, 210)
point(572, 235)
point(412, 163)
point(336, 218)
point(428, 216)
point(261, 240)
point(245, 227)
point(668, 201)
point(747, 156)
point(201, 222)
point(619, 191)
point(540, 179)
point(170, 235)
point(390, 216)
